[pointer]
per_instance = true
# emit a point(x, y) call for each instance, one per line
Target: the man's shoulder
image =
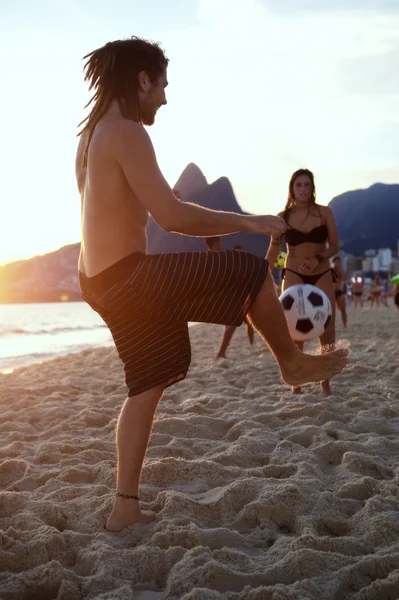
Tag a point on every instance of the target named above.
point(119, 129)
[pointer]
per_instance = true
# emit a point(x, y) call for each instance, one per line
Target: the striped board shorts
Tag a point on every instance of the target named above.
point(148, 300)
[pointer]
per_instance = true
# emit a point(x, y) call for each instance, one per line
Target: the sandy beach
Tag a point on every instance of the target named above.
point(259, 494)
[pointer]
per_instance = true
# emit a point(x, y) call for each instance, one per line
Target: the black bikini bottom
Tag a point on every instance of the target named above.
point(310, 279)
point(338, 293)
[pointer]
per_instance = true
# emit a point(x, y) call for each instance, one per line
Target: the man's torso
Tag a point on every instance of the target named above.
point(113, 222)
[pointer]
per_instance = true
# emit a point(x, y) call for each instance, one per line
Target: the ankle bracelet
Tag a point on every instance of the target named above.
point(127, 496)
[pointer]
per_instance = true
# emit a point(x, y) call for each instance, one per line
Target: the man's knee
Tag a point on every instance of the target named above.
point(148, 397)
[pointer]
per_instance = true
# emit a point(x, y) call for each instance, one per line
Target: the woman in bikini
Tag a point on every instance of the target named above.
point(311, 239)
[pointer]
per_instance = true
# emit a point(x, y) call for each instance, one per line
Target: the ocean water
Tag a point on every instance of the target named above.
point(32, 333)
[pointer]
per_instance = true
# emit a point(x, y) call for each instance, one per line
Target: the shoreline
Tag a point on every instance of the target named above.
point(26, 360)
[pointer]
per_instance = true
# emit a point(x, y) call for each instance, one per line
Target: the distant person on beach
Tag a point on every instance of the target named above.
point(385, 291)
point(348, 292)
point(340, 295)
point(357, 287)
point(214, 244)
point(375, 292)
point(311, 240)
point(148, 300)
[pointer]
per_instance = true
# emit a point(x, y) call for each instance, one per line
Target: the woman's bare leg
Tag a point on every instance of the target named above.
point(250, 332)
point(227, 336)
point(341, 303)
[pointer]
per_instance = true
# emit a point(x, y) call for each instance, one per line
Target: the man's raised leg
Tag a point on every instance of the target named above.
point(267, 316)
point(296, 389)
point(132, 435)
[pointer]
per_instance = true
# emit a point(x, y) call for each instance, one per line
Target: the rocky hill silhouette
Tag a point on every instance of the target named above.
point(368, 218)
point(218, 195)
point(51, 277)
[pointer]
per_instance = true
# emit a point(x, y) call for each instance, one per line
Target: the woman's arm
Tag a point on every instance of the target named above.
point(274, 250)
point(274, 247)
point(333, 240)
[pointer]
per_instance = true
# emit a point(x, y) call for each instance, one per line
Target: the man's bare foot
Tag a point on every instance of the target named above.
point(296, 389)
point(325, 388)
point(307, 368)
point(125, 512)
point(221, 355)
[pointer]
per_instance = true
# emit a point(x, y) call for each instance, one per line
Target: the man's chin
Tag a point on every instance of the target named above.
point(148, 120)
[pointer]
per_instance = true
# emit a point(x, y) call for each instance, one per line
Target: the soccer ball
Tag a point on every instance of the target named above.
point(280, 260)
point(307, 310)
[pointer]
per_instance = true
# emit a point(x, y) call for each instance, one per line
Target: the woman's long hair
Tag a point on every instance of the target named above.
point(291, 198)
point(113, 72)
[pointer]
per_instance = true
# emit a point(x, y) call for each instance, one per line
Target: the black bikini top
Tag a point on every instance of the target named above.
point(318, 235)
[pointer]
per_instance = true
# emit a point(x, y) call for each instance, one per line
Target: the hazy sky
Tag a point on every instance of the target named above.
point(257, 89)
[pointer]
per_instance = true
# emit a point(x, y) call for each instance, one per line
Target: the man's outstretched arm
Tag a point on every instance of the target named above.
point(135, 154)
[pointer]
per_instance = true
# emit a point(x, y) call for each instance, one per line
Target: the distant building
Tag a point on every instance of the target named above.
point(376, 263)
point(367, 264)
point(395, 266)
point(385, 258)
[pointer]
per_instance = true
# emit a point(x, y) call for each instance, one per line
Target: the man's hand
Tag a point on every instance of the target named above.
point(308, 266)
point(266, 224)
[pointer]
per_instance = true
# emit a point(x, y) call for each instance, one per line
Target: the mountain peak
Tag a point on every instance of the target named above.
point(192, 180)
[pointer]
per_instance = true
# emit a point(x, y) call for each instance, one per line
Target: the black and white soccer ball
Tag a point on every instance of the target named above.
point(307, 310)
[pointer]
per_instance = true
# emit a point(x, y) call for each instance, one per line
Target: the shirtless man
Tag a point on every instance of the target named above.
point(340, 278)
point(148, 300)
point(357, 291)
